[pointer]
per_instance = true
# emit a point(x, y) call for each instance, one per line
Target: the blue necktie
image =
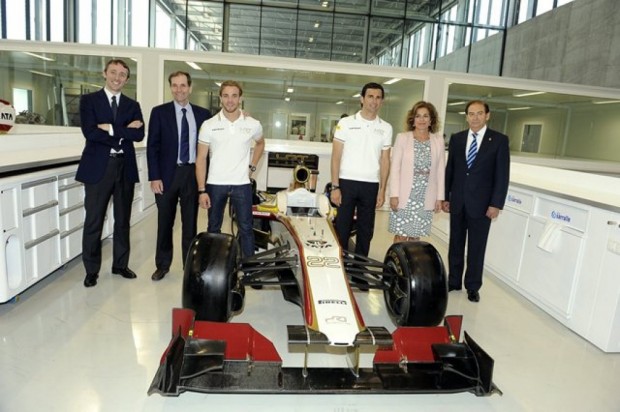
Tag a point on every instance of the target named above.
point(473, 150)
point(184, 149)
point(114, 108)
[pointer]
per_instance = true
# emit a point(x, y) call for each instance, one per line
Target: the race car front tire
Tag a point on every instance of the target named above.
point(417, 294)
point(211, 276)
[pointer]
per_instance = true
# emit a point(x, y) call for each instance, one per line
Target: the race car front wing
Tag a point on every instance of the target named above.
point(234, 358)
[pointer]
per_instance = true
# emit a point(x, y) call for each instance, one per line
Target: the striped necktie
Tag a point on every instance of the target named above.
point(473, 150)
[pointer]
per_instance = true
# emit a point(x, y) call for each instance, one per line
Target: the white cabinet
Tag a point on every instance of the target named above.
point(507, 236)
point(42, 220)
point(551, 275)
point(564, 256)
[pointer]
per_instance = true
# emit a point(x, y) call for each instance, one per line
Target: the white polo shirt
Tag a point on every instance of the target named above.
point(363, 140)
point(229, 147)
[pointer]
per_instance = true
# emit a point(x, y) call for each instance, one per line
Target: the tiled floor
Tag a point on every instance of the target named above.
point(70, 349)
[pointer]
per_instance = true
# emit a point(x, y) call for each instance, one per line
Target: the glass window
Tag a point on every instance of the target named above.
point(389, 8)
point(139, 23)
point(38, 20)
point(543, 6)
point(179, 36)
point(349, 41)
point(49, 84)
point(84, 22)
point(243, 29)
point(205, 22)
point(22, 99)
point(278, 32)
point(385, 33)
point(563, 2)
point(163, 22)
point(103, 22)
point(317, 5)
point(353, 6)
point(424, 10)
point(16, 25)
point(57, 20)
point(314, 35)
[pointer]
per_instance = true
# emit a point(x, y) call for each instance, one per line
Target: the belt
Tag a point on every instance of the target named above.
point(113, 154)
point(185, 164)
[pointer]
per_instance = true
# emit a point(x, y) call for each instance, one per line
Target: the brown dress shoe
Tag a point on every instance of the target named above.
point(159, 274)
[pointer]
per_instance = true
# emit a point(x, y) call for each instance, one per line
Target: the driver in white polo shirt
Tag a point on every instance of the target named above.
point(360, 167)
point(228, 136)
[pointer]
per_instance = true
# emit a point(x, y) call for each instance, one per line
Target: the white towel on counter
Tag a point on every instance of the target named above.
point(549, 236)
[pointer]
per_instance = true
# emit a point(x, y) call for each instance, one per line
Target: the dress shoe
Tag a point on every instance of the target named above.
point(159, 274)
point(473, 296)
point(451, 288)
point(90, 280)
point(124, 272)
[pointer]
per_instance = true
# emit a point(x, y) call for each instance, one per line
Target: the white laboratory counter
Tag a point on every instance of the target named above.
point(42, 206)
point(557, 242)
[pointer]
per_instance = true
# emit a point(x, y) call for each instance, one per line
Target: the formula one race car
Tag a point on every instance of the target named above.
point(303, 257)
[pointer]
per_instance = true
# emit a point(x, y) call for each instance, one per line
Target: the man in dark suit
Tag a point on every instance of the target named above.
point(111, 123)
point(477, 177)
point(171, 156)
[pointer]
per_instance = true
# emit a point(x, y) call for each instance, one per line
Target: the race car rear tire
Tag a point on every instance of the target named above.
point(417, 294)
point(211, 276)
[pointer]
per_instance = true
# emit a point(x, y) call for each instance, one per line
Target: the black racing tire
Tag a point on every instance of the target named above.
point(211, 276)
point(417, 294)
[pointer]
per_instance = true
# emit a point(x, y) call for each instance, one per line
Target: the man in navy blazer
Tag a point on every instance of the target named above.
point(111, 123)
point(477, 177)
point(172, 167)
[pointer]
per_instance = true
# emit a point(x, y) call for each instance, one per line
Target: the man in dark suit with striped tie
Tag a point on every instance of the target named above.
point(171, 156)
point(111, 123)
point(477, 177)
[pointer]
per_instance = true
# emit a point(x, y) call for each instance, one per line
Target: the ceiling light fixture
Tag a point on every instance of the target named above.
point(339, 102)
point(317, 25)
point(392, 81)
point(356, 95)
point(38, 56)
point(525, 94)
point(605, 101)
point(290, 90)
point(287, 99)
point(456, 103)
point(325, 4)
point(311, 39)
point(519, 108)
point(193, 65)
point(41, 73)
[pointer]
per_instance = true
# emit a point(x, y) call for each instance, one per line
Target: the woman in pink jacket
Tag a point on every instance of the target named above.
point(416, 174)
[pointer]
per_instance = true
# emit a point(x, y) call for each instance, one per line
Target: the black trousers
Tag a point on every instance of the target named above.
point(475, 232)
point(183, 191)
point(113, 185)
point(361, 197)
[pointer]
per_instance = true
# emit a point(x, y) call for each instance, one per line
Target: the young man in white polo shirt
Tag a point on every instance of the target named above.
point(360, 167)
point(229, 136)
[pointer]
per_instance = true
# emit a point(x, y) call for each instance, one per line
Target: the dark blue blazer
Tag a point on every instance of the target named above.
point(95, 109)
point(486, 183)
point(162, 148)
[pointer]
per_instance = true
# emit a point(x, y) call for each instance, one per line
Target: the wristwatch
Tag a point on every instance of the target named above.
point(252, 168)
point(335, 187)
point(201, 192)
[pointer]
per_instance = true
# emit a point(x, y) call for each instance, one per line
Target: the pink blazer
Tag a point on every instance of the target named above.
point(401, 170)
